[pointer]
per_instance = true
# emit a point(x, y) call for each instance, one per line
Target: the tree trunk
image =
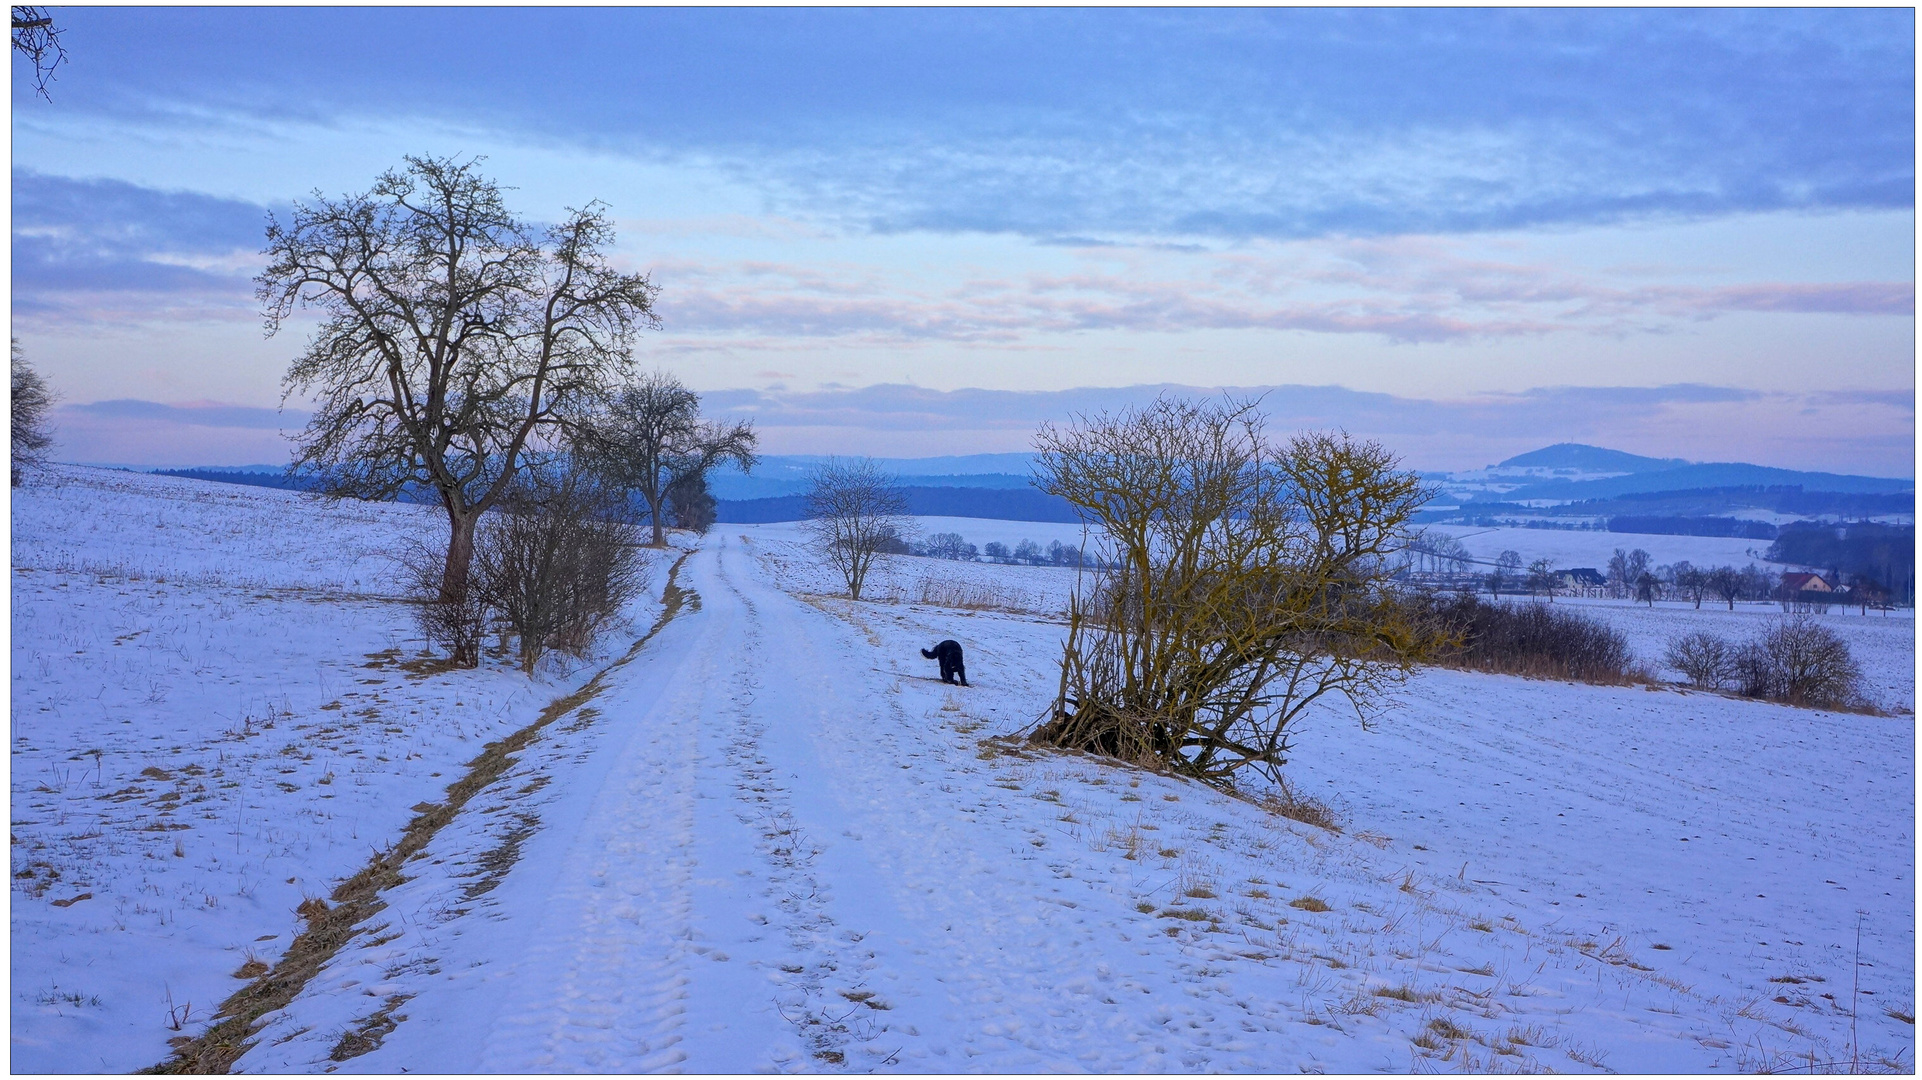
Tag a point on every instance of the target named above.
point(454, 583)
point(654, 501)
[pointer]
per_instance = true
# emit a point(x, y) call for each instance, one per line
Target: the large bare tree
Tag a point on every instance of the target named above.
point(651, 436)
point(454, 337)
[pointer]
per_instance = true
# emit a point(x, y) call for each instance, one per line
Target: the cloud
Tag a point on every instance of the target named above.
point(1403, 290)
point(195, 413)
point(1097, 123)
point(1846, 298)
point(106, 250)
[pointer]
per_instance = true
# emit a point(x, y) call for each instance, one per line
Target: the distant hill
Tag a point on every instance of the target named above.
point(1712, 475)
point(1006, 504)
point(1589, 459)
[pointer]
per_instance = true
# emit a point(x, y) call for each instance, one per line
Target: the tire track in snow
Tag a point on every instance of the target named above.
point(826, 1023)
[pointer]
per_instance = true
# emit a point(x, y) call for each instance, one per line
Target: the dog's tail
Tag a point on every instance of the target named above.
point(926, 655)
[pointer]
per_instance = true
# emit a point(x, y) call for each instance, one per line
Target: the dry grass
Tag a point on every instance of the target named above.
point(329, 927)
point(1284, 801)
point(971, 595)
point(1309, 903)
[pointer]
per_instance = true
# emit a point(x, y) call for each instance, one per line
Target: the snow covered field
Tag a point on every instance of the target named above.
point(769, 838)
point(216, 714)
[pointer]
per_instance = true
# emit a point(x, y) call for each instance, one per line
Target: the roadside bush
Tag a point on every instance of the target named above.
point(555, 563)
point(1531, 639)
point(1709, 661)
point(455, 625)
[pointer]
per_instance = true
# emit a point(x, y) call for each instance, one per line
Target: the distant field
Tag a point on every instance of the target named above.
point(1571, 547)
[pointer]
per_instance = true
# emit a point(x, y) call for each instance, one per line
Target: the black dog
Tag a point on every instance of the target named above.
point(949, 653)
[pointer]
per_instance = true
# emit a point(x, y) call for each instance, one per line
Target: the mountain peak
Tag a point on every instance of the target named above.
point(1590, 459)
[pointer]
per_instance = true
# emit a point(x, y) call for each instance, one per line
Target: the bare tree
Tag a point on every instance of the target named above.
point(714, 443)
point(651, 434)
point(855, 513)
point(1690, 581)
point(32, 400)
point(38, 39)
point(1541, 579)
point(1241, 582)
point(1508, 568)
point(950, 545)
point(1725, 582)
point(555, 560)
point(454, 337)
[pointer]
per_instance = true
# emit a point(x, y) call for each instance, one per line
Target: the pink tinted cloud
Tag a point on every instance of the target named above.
point(1403, 290)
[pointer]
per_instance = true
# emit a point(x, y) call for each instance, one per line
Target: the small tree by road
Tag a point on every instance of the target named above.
point(651, 438)
point(855, 512)
point(454, 336)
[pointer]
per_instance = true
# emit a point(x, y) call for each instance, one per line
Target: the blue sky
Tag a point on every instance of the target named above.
point(1453, 223)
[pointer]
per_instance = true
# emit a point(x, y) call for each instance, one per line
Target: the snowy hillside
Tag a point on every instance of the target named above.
point(766, 837)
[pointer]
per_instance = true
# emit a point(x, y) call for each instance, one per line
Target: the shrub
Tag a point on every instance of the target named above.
point(455, 624)
point(1801, 662)
point(1240, 582)
point(1797, 660)
point(555, 562)
point(1708, 660)
point(1530, 639)
point(1286, 802)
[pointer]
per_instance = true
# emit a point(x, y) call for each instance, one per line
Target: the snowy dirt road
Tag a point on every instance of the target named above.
point(774, 842)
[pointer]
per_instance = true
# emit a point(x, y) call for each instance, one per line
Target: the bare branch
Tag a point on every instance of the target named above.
point(36, 38)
